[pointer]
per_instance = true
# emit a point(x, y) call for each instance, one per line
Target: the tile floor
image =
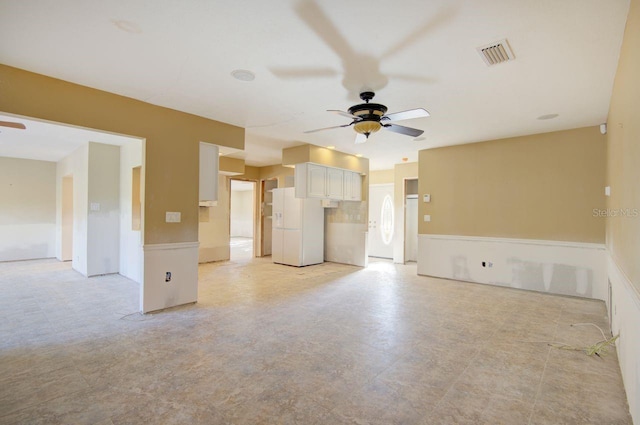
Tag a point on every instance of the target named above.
point(326, 344)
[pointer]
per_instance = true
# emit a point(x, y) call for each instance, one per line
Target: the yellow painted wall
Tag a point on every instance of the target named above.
point(623, 154)
point(543, 186)
point(324, 156)
point(170, 151)
point(381, 176)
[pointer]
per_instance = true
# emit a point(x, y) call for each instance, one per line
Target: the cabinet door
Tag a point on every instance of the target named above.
point(335, 183)
point(352, 186)
point(208, 172)
point(316, 181)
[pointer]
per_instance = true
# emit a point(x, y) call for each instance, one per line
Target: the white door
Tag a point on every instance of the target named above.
point(411, 229)
point(381, 221)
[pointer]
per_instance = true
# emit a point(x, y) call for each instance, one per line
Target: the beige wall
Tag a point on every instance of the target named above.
point(543, 186)
point(623, 154)
point(214, 226)
point(171, 147)
point(381, 176)
point(324, 156)
point(276, 172)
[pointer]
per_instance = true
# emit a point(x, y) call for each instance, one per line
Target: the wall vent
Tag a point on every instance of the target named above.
point(496, 53)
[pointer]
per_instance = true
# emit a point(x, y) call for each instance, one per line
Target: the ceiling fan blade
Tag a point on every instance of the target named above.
point(318, 21)
point(327, 128)
point(290, 73)
point(11, 124)
point(344, 114)
point(441, 18)
point(360, 138)
point(406, 115)
point(407, 131)
point(412, 78)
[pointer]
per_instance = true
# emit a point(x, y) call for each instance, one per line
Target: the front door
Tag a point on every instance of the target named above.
point(381, 221)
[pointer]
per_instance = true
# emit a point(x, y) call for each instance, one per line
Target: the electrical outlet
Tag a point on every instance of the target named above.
point(172, 217)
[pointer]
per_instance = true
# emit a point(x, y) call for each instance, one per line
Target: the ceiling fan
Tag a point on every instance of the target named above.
point(11, 124)
point(370, 117)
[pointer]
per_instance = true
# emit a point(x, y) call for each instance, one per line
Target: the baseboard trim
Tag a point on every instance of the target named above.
point(163, 246)
point(543, 242)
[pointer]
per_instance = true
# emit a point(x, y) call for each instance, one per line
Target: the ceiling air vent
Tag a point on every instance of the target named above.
point(496, 53)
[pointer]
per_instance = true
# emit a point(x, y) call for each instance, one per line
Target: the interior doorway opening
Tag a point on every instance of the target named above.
point(266, 218)
point(242, 221)
point(411, 220)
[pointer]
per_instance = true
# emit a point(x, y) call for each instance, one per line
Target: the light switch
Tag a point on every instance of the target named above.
point(607, 191)
point(426, 197)
point(94, 206)
point(172, 217)
point(427, 217)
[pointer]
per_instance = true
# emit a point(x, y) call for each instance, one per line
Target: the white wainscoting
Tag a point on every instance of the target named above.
point(625, 321)
point(566, 268)
point(181, 259)
point(346, 243)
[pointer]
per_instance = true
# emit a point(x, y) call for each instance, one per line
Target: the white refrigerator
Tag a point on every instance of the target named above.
point(298, 229)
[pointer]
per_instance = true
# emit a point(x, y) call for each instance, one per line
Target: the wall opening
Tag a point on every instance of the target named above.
point(242, 219)
point(411, 220)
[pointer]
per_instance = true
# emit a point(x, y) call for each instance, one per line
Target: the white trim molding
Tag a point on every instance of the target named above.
point(178, 259)
point(558, 267)
point(625, 319)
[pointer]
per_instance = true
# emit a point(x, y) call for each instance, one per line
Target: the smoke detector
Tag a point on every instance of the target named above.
point(495, 53)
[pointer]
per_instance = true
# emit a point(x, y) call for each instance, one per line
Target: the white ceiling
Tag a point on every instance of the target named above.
point(309, 57)
point(45, 141)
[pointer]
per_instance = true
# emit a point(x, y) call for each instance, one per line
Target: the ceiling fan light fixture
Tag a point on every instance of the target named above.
point(367, 127)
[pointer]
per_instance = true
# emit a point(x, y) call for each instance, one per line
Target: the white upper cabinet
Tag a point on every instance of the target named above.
point(318, 181)
point(208, 172)
point(352, 186)
point(335, 183)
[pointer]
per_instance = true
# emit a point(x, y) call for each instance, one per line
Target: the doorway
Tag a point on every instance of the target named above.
point(411, 220)
point(381, 221)
point(266, 222)
point(242, 219)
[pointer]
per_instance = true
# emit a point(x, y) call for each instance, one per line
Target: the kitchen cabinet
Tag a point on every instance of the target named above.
point(352, 186)
point(208, 186)
point(316, 181)
point(335, 183)
point(319, 181)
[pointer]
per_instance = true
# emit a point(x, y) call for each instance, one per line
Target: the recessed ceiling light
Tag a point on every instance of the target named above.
point(358, 155)
point(548, 117)
point(331, 147)
point(243, 75)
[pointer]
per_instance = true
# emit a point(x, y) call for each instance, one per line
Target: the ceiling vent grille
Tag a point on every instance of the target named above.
point(496, 53)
